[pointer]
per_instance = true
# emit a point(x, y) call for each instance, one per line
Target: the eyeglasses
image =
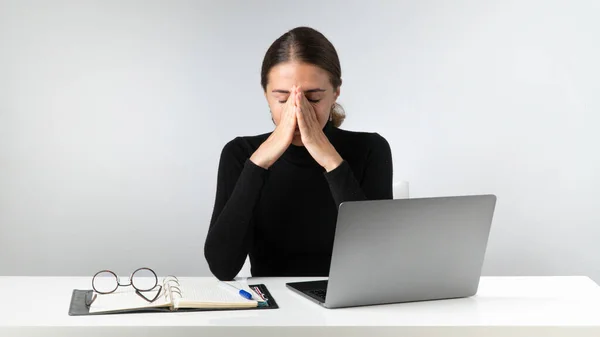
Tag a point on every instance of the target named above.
point(142, 280)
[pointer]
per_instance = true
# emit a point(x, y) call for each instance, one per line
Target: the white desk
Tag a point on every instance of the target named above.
point(504, 306)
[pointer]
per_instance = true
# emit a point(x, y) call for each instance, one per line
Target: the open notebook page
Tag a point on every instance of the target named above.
point(126, 298)
point(211, 293)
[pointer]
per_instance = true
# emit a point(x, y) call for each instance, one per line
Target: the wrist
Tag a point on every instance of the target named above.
point(260, 160)
point(333, 162)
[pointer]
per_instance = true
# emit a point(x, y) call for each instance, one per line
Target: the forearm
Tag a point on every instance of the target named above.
point(230, 235)
point(343, 184)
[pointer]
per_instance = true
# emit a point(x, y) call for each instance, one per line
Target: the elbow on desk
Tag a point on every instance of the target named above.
point(219, 267)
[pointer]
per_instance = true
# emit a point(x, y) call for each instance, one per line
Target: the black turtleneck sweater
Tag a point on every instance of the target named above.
point(285, 217)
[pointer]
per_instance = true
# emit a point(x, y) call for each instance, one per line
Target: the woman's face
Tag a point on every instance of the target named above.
point(314, 83)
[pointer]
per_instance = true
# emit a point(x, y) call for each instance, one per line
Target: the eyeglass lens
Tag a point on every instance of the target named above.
point(144, 279)
point(106, 281)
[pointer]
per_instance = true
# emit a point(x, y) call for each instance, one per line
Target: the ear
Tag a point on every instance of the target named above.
point(336, 94)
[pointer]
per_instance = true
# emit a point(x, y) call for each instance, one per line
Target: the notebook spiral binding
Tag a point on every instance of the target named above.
point(172, 287)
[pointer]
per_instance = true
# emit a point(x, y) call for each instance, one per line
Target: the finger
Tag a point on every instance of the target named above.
point(289, 109)
point(309, 111)
point(284, 117)
point(299, 102)
point(293, 121)
point(303, 111)
point(303, 100)
point(291, 97)
point(301, 121)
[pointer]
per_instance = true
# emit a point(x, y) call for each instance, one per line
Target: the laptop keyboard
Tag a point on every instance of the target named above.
point(320, 293)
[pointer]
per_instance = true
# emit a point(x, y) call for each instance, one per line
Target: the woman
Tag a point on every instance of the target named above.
point(278, 193)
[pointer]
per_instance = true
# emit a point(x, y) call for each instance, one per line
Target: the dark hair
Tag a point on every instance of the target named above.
point(306, 45)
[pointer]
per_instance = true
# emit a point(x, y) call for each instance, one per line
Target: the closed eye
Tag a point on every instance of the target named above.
point(310, 100)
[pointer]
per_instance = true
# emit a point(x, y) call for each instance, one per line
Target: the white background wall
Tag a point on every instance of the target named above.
point(113, 115)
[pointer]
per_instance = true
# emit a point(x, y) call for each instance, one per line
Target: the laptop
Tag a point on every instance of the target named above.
point(404, 250)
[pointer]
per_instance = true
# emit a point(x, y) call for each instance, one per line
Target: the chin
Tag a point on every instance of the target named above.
point(297, 140)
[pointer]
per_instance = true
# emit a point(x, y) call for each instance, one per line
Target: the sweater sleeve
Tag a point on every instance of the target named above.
point(376, 182)
point(230, 234)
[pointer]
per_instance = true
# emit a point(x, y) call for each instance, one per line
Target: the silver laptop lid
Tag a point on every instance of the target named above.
point(389, 251)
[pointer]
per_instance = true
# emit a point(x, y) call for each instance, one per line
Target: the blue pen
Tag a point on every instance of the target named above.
point(242, 292)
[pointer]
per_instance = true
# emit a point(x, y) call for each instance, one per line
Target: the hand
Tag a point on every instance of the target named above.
point(280, 139)
point(312, 134)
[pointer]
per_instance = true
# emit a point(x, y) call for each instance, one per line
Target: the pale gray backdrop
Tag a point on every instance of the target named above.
point(113, 115)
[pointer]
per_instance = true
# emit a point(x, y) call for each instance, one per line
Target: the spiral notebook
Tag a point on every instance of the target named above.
point(188, 295)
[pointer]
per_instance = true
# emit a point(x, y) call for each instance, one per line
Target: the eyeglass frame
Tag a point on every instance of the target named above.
point(118, 279)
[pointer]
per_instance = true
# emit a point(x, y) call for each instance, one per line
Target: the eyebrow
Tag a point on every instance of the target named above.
point(306, 91)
